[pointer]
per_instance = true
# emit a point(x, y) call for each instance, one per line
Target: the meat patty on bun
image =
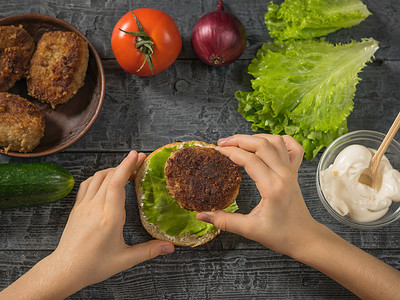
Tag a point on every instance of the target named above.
point(202, 179)
point(179, 179)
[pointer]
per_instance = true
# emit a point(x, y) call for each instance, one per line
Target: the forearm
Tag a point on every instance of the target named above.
point(48, 279)
point(358, 271)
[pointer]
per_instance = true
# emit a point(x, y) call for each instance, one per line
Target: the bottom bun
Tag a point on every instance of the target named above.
point(185, 239)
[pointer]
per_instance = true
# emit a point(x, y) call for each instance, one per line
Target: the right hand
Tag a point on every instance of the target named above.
point(281, 221)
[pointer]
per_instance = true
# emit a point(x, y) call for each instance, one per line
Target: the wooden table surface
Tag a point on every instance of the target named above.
point(189, 101)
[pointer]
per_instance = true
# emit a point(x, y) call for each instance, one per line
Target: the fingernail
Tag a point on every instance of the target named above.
point(167, 249)
point(132, 153)
point(223, 141)
point(204, 216)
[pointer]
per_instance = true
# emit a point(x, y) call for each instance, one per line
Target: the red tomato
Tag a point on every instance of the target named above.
point(163, 32)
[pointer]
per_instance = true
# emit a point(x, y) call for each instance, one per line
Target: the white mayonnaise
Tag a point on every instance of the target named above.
point(347, 196)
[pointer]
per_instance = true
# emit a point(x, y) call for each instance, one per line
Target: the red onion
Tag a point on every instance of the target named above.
point(218, 38)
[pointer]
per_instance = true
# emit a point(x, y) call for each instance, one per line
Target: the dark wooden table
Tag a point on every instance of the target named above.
point(193, 101)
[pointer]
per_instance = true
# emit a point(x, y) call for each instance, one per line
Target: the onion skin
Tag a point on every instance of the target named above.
point(218, 38)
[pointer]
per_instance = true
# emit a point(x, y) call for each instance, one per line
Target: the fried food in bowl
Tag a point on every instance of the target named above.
point(67, 122)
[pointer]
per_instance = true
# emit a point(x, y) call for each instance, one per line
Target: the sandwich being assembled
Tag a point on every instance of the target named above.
point(180, 179)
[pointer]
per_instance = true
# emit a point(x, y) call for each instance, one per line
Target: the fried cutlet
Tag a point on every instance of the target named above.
point(58, 67)
point(202, 179)
point(21, 123)
point(16, 48)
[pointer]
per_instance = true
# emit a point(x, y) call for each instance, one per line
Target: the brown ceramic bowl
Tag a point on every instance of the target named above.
point(68, 122)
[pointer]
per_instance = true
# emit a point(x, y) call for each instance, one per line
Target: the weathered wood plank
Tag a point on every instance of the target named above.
point(96, 19)
point(187, 101)
point(241, 274)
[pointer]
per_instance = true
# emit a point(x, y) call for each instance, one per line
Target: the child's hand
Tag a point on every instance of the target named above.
point(92, 246)
point(281, 219)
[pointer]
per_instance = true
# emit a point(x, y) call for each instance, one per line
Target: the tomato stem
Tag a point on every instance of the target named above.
point(144, 44)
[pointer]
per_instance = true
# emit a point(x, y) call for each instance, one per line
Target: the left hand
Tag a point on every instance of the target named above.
point(92, 246)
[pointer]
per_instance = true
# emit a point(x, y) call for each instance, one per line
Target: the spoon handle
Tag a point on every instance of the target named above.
point(385, 144)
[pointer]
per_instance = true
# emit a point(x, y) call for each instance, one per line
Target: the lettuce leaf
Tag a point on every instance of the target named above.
point(305, 19)
point(305, 88)
point(161, 209)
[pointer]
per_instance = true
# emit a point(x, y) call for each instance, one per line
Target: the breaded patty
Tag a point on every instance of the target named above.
point(58, 67)
point(202, 179)
point(16, 48)
point(21, 123)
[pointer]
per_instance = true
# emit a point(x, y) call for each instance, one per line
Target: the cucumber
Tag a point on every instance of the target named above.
point(27, 184)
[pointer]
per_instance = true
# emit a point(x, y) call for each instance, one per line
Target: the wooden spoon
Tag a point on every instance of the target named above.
point(368, 176)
